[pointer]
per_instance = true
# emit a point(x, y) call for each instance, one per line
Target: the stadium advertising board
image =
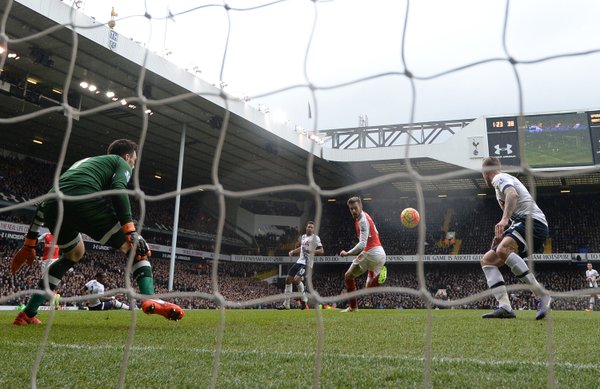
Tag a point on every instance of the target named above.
point(401, 258)
point(16, 232)
point(549, 140)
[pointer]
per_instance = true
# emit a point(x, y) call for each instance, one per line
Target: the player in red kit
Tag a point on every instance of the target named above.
point(370, 255)
point(51, 251)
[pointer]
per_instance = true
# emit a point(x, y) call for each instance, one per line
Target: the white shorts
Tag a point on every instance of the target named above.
point(372, 260)
point(46, 264)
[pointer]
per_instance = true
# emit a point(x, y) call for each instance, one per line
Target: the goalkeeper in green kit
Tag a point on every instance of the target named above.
point(106, 219)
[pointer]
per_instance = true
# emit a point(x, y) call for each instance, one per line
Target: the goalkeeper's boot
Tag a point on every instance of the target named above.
point(589, 310)
point(382, 276)
point(22, 320)
point(156, 306)
point(349, 310)
point(500, 313)
point(543, 307)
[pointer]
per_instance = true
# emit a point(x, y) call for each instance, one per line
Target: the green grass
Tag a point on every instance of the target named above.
point(265, 348)
point(558, 149)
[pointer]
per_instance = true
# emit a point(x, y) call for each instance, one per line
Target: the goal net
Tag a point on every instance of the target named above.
point(245, 75)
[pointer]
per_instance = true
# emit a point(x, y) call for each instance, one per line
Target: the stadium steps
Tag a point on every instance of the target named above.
point(267, 274)
point(548, 246)
point(457, 245)
point(448, 219)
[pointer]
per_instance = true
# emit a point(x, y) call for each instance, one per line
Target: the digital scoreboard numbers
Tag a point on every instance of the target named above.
point(503, 139)
point(502, 124)
point(594, 120)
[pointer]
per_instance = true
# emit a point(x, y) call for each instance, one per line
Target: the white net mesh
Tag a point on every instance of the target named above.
point(408, 82)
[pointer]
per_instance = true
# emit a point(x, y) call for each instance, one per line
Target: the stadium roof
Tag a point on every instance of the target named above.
point(253, 155)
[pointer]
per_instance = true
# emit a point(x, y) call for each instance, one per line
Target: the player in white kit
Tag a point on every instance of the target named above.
point(309, 244)
point(96, 286)
point(592, 277)
point(509, 246)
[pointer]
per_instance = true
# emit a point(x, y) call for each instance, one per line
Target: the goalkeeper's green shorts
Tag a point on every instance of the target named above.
point(95, 218)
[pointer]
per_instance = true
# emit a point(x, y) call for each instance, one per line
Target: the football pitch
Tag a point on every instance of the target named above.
point(556, 149)
point(268, 348)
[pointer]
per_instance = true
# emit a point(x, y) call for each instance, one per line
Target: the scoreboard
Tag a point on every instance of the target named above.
point(503, 140)
point(549, 140)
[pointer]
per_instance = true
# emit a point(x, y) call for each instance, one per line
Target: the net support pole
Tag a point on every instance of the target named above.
point(177, 202)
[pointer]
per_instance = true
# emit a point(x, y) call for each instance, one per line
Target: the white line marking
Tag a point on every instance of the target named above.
point(449, 360)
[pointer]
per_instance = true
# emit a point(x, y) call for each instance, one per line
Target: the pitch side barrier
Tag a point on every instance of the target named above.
point(17, 231)
point(414, 258)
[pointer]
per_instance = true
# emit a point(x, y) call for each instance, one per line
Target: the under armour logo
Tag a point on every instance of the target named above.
point(507, 149)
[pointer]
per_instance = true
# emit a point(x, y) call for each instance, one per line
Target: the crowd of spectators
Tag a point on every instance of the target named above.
point(572, 225)
point(278, 244)
point(270, 207)
point(239, 281)
point(458, 281)
point(194, 220)
point(572, 222)
point(12, 171)
point(236, 281)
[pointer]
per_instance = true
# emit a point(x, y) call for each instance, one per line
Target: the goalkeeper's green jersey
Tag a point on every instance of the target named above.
point(94, 174)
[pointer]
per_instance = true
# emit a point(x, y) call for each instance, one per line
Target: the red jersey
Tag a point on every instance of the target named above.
point(367, 232)
point(48, 238)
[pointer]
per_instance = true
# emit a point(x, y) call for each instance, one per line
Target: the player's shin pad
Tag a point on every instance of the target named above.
point(142, 273)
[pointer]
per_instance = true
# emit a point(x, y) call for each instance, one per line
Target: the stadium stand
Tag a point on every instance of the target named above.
point(572, 230)
point(238, 281)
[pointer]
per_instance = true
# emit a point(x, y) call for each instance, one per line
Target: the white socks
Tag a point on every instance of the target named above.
point(119, 305)
point(301, 290)
point(288, 290)
point(495, 281)
point(519, 268)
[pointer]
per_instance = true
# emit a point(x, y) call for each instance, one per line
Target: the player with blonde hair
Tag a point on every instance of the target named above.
point(509, 245)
